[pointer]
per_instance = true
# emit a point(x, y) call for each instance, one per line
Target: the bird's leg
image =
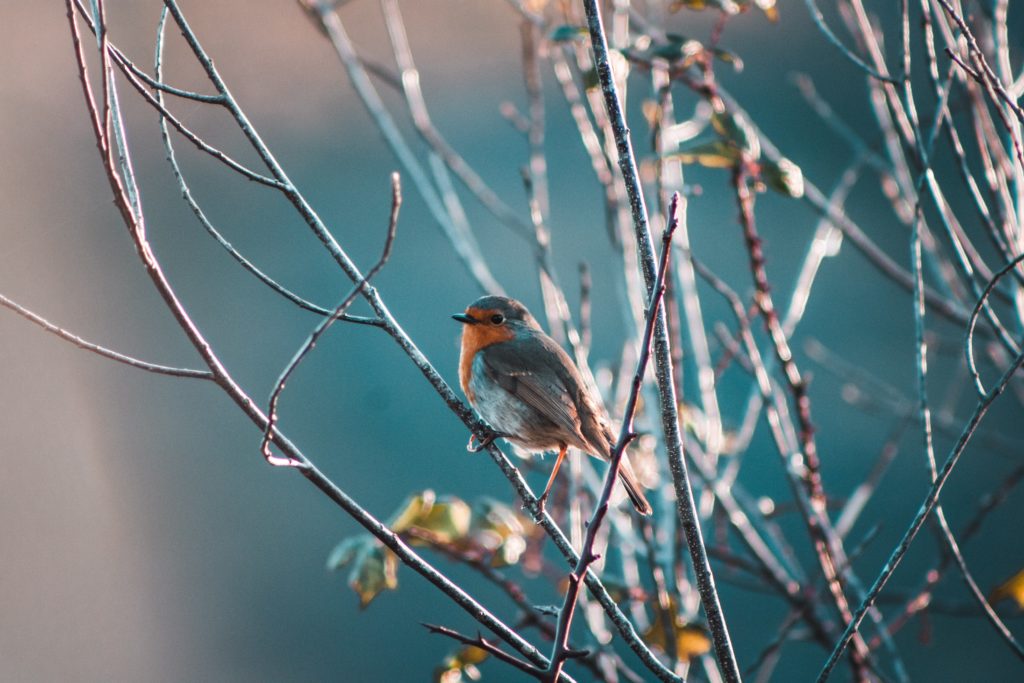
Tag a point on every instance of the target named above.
point(551, 479)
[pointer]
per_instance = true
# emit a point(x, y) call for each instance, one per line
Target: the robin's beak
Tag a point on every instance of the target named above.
point(465, 319)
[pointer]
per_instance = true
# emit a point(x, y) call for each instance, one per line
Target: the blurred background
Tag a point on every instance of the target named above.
point(143, 536)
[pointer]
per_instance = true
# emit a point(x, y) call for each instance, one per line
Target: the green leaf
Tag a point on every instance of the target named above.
point(784, 177)
point(374, 568)
point(678, 50)
point(735, 129)
point(713, 154)
point(566, 33)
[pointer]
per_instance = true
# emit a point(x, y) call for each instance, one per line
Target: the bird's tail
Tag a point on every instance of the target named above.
point(633, 489)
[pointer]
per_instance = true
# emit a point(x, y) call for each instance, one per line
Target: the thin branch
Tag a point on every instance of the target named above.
point(561, 650)
point(819, 21)
point(827, 544)
point(186, 193)
point(128, 68)
point(101, 350)
point(922, 515)
point(973, 320)
point(489, 648)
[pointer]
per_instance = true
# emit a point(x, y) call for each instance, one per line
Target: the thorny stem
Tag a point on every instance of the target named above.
point(561, 650)
point(816, 517)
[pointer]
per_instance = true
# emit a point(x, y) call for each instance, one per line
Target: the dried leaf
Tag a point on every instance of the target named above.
point(448, 520)
point(711, 154)
point(769, 9)
point(726, 6)
point(500, 529)
point(692, 641)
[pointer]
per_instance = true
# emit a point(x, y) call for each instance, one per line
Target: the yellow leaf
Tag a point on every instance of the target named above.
point(412, 510)
point(1012, 589)
point(461, 664)
point(447, 520)
point(692, 641)
point(714, 154)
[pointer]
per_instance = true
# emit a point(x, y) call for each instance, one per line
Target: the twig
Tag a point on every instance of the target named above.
point(827, 545)
point(973, 320)
point(819, 21)
point(325, 324)
point(186, 193)
point(101, 350)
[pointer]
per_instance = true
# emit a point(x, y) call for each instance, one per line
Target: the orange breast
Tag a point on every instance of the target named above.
point(474, 338)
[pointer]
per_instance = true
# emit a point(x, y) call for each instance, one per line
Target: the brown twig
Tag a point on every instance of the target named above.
point(561, 651)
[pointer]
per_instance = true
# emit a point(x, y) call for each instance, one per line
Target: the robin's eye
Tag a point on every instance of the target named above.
point(497, 318)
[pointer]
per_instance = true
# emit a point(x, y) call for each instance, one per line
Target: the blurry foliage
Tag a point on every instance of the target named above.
point(492, 532)
point(461, 665)
point(1011, 589)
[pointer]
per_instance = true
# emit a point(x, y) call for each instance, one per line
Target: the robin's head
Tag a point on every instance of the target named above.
point(493, 319)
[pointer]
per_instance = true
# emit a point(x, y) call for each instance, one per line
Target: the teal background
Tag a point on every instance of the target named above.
point(143, 537)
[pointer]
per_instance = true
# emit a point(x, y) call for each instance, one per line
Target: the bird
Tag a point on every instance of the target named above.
point(527, 388)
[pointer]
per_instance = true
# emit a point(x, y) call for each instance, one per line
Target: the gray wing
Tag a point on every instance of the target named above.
point(529, 370)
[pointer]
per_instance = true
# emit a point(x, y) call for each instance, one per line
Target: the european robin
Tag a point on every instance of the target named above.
point(529, 390)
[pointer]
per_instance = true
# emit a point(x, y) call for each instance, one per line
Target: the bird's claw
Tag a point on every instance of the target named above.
point(491, 437)
point(541, 504)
